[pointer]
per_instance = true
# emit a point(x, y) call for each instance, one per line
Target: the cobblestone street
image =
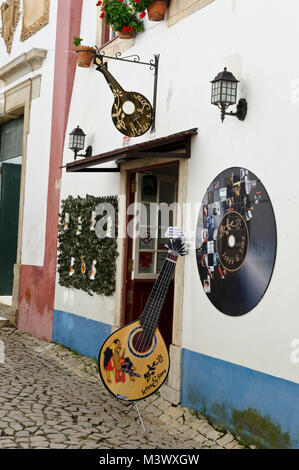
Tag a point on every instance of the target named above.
point(52, 398)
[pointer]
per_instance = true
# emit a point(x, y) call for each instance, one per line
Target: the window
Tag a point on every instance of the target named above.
point(11, 135)
point(107, 33)
point(154, 218)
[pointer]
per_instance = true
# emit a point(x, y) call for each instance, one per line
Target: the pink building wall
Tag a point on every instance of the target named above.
point(37, 284)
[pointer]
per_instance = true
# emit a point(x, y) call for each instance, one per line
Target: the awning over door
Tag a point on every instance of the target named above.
point(173, 146)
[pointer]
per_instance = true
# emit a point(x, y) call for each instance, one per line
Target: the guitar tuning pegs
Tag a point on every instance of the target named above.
point(176, 246)
point(182, 250)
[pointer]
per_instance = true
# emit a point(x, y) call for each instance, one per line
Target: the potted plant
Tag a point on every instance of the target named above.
point(121, 17)
point(85, 54)
point(156, 9)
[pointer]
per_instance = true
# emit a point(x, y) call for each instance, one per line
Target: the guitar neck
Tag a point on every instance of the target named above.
point(112, 82)
point(152, 310)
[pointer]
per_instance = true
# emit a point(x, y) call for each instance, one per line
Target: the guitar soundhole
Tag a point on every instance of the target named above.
point(139, 342)
point(128, 107)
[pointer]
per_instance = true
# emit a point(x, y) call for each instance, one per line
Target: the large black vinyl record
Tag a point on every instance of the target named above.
point(236, 241)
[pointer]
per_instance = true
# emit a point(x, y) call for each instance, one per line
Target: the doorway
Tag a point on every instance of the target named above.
point(11, 134)
point(151, 192)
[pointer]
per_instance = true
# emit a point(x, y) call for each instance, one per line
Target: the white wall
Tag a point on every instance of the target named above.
point(257, 41)
point(86, 111)
point(38, 149)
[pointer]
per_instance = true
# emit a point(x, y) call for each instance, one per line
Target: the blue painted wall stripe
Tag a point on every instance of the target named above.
point(216, 385)
point(78, 333)
point(210, 383)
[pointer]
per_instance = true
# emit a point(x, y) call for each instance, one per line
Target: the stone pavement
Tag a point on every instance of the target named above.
point(51, 397)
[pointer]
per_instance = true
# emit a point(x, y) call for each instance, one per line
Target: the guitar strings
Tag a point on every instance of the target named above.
point(152, 310)
point(156, 303)
point(157, 299)
point(125, 386)
point(151, 324)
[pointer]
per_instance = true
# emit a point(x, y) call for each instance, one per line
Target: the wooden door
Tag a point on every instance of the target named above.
point(146, 252)
point(9, 219)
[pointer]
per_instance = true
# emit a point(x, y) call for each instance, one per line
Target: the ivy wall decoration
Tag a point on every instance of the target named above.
point(86, 261)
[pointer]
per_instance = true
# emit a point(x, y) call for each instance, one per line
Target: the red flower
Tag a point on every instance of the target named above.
point(137, 1)
point(127, 29)
point(99, 3)
point(102, 15)
point(142, 14)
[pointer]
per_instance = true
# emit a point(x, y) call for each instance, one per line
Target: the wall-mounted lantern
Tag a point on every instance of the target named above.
point(224, 94)
point(76, 143)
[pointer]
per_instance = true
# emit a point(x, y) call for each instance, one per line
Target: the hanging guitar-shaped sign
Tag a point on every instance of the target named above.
point(132, 113)
point(134, 361)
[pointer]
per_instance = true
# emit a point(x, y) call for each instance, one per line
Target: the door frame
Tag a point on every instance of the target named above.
point(12, 310)
point(172, 389)
point(17, 102)
point(10, 189)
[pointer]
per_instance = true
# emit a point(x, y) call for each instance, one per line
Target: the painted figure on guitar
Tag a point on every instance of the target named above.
point(134, 361)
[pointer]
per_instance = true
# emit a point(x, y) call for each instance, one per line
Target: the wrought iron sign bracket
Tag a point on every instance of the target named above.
point(153, 64)
point(241, 110)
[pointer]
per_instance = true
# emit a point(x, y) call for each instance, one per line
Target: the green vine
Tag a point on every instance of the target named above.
point(80, 247)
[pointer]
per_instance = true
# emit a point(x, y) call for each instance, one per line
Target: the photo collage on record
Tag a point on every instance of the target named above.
point(233, 191)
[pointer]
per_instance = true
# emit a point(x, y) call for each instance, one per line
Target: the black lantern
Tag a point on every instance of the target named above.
point(224, 94)
point(77, 141)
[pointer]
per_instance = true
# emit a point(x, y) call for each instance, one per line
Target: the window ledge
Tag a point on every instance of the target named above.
point(179, 9)
point(108, 42)
point(117, 45)
point(22, 65)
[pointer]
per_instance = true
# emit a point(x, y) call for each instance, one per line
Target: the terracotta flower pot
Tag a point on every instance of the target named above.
point(85, 56)
point(157, 9)
point(128, 35)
